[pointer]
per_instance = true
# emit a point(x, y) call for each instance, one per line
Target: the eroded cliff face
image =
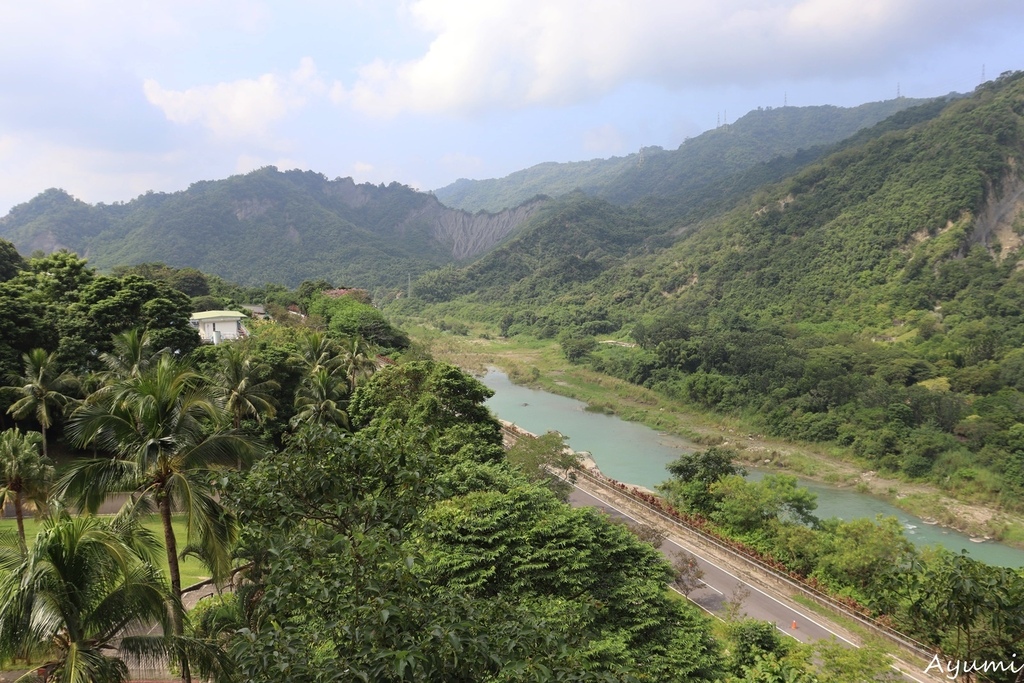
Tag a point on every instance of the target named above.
point(1001, 221)
point(350, 193)
point(471, 234)
point(466, 234)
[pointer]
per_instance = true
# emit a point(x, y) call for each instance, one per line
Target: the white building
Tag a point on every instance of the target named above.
point(217, 326)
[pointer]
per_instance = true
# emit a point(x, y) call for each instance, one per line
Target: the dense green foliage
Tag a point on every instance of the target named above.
point(59, 306)
point(426, 562)
point(871, 300)
point(347, 317)
point(388, 537)
point(346, 537)
point(970, 610)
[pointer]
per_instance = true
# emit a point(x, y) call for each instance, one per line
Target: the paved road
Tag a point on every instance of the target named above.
point(720, 585)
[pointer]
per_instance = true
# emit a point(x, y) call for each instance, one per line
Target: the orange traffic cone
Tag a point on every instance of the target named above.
point(793, 626)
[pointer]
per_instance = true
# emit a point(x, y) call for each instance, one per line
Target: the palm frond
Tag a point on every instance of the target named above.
point(210, 659)
point(87, 483)
point(144, 650)
point(221, 449)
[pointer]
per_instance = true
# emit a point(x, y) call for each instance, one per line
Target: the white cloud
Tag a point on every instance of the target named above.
point(239, 108)
point(517, 53)
point(100, 33)
point(464, 165)
point(29, 165)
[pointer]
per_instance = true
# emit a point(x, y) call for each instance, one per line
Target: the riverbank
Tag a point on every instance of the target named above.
point(540, 364)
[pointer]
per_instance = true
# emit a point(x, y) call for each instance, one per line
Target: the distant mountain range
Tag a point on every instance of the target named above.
point(286, 227)
point(268, 226)
point(757, 137)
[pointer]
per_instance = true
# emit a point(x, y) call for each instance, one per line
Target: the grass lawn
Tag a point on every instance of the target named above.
point(192, 571)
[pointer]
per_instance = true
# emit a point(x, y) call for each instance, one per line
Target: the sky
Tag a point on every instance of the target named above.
point(109, 99)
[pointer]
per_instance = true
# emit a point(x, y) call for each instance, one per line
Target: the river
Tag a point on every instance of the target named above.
point(635, 454)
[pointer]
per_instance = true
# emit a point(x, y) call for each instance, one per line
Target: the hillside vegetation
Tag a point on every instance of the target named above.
point(369, 521)
point(757, 137)
point(268, 226)
point(872, 299)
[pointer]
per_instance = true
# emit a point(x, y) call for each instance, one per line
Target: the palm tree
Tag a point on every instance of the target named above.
point(239, 378)
point(25, 475)
point(357, 361)
point(132, 354)
point(316, 350)
point(83, 585)
point(321, 399)
point(165, 426)
point(41, 389)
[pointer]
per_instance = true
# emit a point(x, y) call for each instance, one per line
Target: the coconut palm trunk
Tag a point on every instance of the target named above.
point(19, 515)
point(174, 570)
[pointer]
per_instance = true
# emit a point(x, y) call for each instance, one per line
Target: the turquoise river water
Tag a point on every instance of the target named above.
point(635, 454)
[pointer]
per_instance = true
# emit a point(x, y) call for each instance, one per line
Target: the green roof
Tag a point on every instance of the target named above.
point(207, 315)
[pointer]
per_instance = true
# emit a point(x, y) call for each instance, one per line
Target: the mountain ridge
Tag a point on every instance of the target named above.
point(291, 226)
point(374, 235)
point(758, 136)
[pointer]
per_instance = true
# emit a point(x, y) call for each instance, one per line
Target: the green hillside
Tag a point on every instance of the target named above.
point(872, 299)
point(267, 226)
point(695, 166)
point(294, 226)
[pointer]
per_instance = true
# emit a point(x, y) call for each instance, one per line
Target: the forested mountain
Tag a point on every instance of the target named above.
point(579, 237)
point(267, 226)
point(697, 164)
point(872, 299)
point(288, 227)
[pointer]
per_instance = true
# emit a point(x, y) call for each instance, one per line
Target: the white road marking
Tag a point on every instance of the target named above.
point(724, 571)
